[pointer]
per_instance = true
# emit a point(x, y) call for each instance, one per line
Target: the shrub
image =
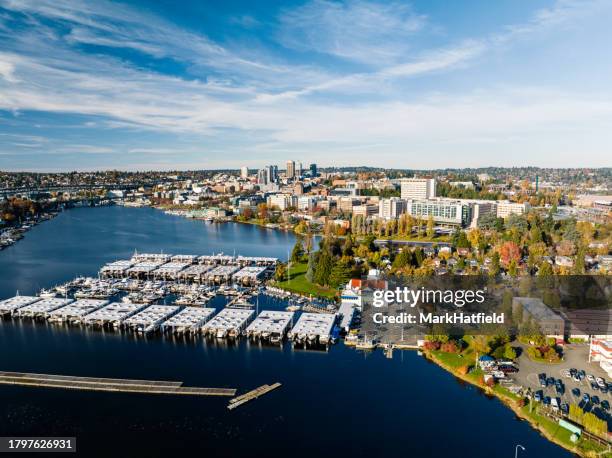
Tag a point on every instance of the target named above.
point(431, 345)
point(463, 370)
point(450, 347)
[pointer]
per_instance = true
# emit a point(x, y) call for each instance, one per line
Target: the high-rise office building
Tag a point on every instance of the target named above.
point(298, 170)
point(418, 188)
point(262, 176)
point(290, 169)
point(313, 170)
point(244, 172)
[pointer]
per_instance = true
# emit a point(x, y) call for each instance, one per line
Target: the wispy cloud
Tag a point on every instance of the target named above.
point(367, 32)
point(271, 102)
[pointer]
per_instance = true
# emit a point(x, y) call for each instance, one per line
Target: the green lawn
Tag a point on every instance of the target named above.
point(297, 283)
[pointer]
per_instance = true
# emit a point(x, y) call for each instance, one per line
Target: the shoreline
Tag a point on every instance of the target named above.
point(511, 403)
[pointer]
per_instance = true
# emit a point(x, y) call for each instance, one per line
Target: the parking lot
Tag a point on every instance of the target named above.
point(576, 357)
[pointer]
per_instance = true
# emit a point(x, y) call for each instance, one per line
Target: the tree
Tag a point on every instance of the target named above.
point(323, 268)
point(310, 269)
point(281, 272)
point(340, 273)
point(509, 252)
point(430, 227)
point(403, 259)
point(509, 352)
point(298, 250)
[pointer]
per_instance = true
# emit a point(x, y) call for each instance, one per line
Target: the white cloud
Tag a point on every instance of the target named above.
point(366, 32)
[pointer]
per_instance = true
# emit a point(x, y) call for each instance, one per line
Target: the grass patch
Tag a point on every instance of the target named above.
point(297, 283)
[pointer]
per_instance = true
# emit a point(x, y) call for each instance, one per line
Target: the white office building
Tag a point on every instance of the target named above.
point(391, 208)
point(418, 188)
point(505, 208)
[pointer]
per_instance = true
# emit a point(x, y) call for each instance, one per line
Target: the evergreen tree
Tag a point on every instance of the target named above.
point(298, 250)
point(340, 274)
point(323, 268)
point(310, 270)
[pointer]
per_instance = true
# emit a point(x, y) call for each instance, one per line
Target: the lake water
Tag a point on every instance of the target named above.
point(339, 402)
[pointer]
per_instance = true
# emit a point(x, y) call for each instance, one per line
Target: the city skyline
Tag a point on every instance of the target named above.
point(420, 85)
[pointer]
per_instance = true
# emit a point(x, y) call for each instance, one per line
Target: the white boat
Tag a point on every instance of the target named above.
point(47, 293)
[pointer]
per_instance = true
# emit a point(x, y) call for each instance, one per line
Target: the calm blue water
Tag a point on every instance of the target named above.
point(341, 402)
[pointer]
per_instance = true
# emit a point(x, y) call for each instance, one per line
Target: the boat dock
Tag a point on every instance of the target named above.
point(40, 309)
point(221, 274)
point(271, 325)
point(75, 311)
point(249, 275)
point(108, 384)
point(170, 270)
point(313, 327)
point(189, 320)
point(142, 269)
point(113, 314)
point(149, 319)
point(229, 322)
point(254, 394)
point(8, 306)
point(195, 273)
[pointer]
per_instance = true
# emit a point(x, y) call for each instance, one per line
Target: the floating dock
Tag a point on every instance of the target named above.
point(221, 274)
point(250, 274)
point(116, 269)
point(313, 327)
point(271, 325)
point(229, 322)
point(189, 320)
point(149, 319)
point(254, 394)
point(196, 273)
point(75, 311)
point(170, 270)
point(113, 314)
point(107, 384)
point(8, 306)
point(41, 308)
point(143, 268)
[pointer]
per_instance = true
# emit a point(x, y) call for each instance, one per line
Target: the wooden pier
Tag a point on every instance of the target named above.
point(108, 384)
point(253, 394)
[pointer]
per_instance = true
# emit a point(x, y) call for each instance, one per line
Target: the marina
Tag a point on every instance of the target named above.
point(230, 322)
point(272, 325)
point(75, 311)
point(149, 319)
point(313, 328)
point(8, 306)
point(188, 321)
point(41, 308)
point(112, 315)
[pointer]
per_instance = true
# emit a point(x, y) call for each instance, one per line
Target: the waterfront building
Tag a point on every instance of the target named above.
point(418, 188)
point(446, 212)
point(505, 208)
point(306, 203)
point(392, 208)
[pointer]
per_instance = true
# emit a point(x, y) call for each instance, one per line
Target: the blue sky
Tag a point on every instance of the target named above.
point(189, 85)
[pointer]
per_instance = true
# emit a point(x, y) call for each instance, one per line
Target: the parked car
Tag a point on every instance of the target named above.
point(595, 399)
point(550, 381)
point(507, 369)
point(603, 390)
point(600, 382)
point(576, 392)
point(538, 396)
point(547, 400)
point(567, 374)
point(590, 378)
point(565, 408)
point(605, 405)
point(560, 389)
point(594, 386)
point(586, 397)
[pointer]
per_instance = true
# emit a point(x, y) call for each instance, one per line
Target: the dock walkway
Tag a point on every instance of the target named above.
point(253, 394)
point(108, 384)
